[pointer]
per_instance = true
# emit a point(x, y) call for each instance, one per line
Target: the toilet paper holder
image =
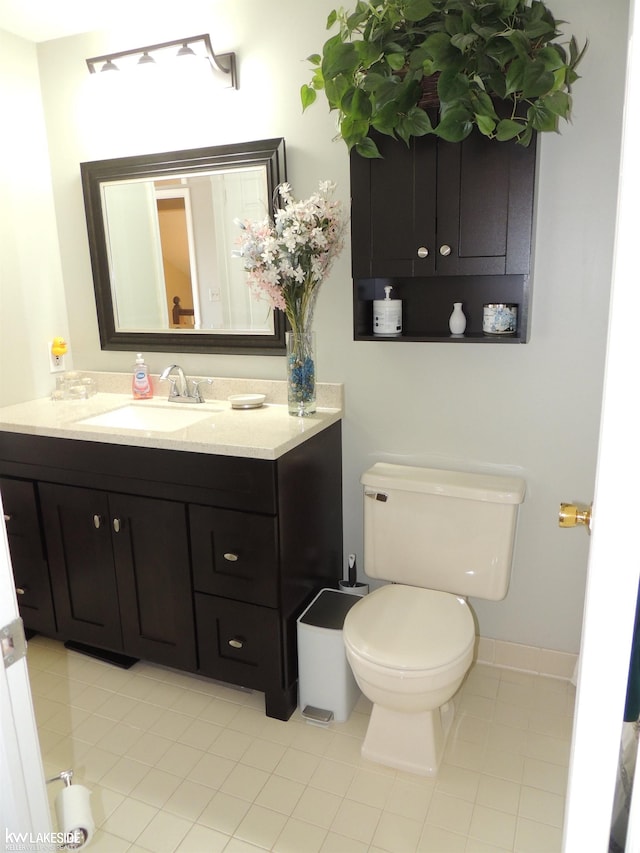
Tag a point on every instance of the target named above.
point(64, 776)
point(73, 811)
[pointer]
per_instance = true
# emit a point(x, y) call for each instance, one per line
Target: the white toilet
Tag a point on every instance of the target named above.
point(438, 536)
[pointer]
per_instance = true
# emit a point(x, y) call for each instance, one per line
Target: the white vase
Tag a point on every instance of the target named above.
point(457, 320)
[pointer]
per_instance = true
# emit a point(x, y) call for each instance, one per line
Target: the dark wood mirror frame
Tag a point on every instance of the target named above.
point(267, 152)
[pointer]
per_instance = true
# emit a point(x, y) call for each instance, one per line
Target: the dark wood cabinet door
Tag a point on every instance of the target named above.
point(444, 209)
point(78, 537)
point(151, 550)
point(393, 209)
point(30, 569)
point(485, 207)
point(235, 554)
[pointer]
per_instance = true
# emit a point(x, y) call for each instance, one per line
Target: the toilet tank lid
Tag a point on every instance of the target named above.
point(437, 481)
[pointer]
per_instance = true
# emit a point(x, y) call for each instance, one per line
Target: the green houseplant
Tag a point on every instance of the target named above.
point(496, 65)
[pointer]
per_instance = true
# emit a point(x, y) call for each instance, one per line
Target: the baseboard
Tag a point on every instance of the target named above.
point(526, 658)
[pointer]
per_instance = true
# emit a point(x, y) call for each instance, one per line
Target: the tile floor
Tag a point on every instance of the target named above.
point(179, 763)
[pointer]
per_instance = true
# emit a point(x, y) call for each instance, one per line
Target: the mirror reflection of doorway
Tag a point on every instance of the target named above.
point(176, 239)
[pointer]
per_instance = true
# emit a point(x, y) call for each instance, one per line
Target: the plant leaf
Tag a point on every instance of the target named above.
point(541, 117)
point(508, 129)
point(408, 96)
point(486, 125)
point(307, 96)
point(464, 41)
point(452, 86)
point(515, 77)
point(367, 52)
point(416, 10)
point(519, 41)
point(482, 104)
point(338, 58)
point(455, 125)
point(314, 59)
point(536, 80)
point(551, 58)
point(356, 104)
point(559, 103)
point(386, 92)
point(333, 17)
point(353, 131)
point(417, 122)
point(367, 148)
point(443, 55)
point(395, 61)
point(536, 29)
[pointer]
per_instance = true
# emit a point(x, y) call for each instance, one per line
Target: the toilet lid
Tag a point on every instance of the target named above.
point(410, 628)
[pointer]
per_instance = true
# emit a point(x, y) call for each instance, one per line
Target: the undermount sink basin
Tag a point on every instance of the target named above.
point(153, 418)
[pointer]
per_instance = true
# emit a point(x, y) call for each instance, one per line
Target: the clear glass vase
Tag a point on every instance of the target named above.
point(301, 373)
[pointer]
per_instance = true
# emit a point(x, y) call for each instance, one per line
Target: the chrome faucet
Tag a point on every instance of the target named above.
point(181, 389)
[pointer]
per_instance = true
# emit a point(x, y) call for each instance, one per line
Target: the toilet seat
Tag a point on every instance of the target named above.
point(410, 629)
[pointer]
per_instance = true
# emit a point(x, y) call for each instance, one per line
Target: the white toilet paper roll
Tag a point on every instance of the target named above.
point(73, 811)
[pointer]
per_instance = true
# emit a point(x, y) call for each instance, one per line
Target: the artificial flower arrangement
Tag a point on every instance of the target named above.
point(287, 258)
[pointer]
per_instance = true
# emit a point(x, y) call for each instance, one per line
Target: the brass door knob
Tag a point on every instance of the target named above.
point(575, 515)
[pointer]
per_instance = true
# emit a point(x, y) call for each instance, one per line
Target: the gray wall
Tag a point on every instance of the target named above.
point(533, 409)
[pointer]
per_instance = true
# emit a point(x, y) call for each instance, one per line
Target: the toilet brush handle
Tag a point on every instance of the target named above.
point(353, 571)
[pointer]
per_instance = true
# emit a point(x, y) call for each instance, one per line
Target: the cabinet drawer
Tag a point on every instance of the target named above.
point(239, 643)
point(235, 554)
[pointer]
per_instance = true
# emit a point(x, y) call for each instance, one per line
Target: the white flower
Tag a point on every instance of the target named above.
point(288, 258)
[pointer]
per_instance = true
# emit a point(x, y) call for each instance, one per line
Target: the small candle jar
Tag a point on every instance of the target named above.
point(500, 318)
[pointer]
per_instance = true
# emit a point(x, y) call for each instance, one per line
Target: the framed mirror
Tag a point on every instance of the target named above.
point(161, 233)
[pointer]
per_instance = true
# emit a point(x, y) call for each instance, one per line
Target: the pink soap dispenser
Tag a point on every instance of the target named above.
point(141, 385)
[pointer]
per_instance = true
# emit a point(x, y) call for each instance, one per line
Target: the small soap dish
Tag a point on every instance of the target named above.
point(247, 401)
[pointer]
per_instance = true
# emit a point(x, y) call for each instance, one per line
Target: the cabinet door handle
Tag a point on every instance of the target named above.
point(21, 590)
point(97, 521)
point(117, 525)
point(423, 252)
point(445, 250)
point(7, 517)
point(231, 557)
point(236, 642)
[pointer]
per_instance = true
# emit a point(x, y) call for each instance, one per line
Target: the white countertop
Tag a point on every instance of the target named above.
point(263, 433)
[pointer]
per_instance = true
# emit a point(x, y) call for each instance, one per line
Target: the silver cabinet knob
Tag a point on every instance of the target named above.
point(231, 557)
point(97, 521)
point(21, 590)
point(117, 525)
point(445, 250)
point(7, 517)
point(423, 252)
point(236, 642)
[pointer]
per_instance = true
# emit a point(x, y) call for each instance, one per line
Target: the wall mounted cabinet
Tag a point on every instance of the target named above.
point(193, 560)
point(442, 223)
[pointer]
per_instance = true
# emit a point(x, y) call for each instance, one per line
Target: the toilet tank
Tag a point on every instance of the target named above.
point(444, 530)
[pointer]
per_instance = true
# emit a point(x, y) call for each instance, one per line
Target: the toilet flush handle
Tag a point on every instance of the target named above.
point(379, 496)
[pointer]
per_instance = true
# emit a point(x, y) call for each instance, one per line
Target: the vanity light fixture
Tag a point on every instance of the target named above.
point(222, 63)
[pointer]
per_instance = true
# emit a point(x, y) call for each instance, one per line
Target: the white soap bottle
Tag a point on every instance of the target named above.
point(141, 385)
point(387, 315)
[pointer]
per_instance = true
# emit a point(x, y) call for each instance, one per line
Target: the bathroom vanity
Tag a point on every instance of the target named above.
point(195, 547)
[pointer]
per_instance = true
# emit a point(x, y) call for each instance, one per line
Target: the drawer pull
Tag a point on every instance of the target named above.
point(21, 590)
point(97, 521)
point(237, 642)
point(232, 558)
point(423, 252)
point(445, 250)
